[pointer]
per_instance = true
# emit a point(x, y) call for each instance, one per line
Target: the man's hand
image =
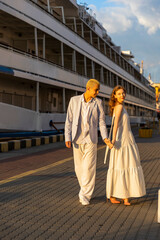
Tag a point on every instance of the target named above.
point(68, 144)
point(108, 142)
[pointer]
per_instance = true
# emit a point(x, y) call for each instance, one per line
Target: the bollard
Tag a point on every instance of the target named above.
point(159, 206)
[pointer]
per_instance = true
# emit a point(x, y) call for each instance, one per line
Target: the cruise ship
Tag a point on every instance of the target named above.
point(49, 49)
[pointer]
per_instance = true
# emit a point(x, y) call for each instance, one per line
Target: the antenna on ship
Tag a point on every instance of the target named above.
point(149, 78)
point(85, 5)
point(141, 68)
point(90, 11)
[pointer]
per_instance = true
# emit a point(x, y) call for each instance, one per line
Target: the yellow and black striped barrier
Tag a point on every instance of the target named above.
point(27, 143)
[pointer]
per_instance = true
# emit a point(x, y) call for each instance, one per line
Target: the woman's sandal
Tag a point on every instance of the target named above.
point(126, 203)
point(113, 200)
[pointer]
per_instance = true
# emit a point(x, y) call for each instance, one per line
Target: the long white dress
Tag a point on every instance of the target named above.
point(125, 175)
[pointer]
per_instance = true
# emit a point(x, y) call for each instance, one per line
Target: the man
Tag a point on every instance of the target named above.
point(81, 128)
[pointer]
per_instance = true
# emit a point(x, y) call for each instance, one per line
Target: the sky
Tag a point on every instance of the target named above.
point(134, 25)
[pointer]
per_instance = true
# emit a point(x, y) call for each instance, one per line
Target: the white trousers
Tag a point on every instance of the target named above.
point(85, 157)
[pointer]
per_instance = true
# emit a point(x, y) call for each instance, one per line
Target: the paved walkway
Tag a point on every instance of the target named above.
point(41, 202)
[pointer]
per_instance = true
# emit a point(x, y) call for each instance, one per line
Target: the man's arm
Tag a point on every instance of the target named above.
point(102, 122)
point(68, 125)
point(102, 126)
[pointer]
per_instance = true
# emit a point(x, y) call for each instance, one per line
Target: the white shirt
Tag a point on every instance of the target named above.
point(83, 136)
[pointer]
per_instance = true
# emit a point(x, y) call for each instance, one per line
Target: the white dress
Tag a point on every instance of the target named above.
point(125, 175)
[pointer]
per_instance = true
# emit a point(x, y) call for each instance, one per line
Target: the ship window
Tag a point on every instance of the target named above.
point(54, 102)
point(119, 81)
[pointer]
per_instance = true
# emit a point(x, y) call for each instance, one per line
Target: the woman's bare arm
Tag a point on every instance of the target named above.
point(118, 111)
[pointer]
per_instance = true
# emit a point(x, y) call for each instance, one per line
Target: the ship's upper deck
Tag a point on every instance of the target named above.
point(52, 48)
point(75, 27)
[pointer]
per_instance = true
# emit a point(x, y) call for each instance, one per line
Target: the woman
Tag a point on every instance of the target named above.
point(125, 175)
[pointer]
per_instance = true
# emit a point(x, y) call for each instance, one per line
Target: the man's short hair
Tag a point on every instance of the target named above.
point(92, 82)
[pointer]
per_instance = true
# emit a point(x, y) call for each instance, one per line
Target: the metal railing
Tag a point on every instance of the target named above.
point(18, 100)
point(33, 56)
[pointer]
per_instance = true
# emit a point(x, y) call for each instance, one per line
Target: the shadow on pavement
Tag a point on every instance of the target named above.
point(10, 196)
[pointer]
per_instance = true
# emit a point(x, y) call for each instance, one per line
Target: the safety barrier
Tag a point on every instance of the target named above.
point(27, 143)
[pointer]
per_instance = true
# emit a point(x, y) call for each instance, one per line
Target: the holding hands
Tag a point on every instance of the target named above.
point(108, 142)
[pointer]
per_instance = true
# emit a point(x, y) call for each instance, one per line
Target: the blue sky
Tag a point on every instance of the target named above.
point(134, 25)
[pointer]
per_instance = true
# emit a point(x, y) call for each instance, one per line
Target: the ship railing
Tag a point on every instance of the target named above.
point(24, 53)
point(30, 55)
point(19, 51)
point(62, 21)
point(13, 49)
point(18, 100)
point(52, 12)
point(44, 8)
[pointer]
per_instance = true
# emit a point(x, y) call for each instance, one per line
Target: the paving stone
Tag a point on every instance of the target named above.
point(45, 205)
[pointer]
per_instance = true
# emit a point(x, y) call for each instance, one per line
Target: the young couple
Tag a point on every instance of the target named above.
point(125, 175)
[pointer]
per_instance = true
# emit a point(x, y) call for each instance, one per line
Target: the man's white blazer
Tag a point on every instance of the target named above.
point(96, 118)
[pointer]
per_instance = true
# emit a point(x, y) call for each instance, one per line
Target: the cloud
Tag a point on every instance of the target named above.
point(149, 64)
point(124, 14)
point(135, 26)
point(114, 19)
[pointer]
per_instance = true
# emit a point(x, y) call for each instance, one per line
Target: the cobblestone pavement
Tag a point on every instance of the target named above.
point(44, 205)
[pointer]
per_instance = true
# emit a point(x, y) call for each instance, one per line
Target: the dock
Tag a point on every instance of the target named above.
point(39, 197)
